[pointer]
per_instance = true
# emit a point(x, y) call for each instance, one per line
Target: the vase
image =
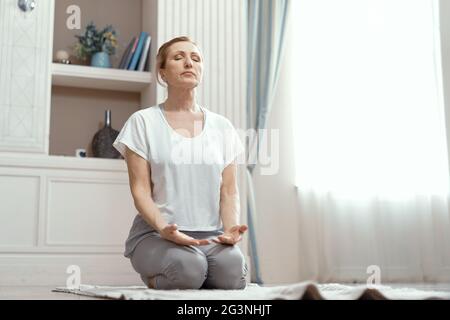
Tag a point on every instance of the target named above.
point(100, 60)
point(102, 142)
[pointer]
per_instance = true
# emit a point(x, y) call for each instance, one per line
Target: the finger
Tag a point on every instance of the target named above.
point(226, 239)
point(222, 238)
point(229, 242)
point(234, 228)
point(191, 242)
point(243, 228)
point(188, 239)
point(204, 242)
point(223, 241)
point(219, 239)
point(216, 240)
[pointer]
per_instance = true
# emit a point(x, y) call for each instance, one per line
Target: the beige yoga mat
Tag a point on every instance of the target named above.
point(296, 291)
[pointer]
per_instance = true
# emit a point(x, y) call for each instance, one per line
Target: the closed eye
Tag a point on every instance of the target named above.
point(195, 58)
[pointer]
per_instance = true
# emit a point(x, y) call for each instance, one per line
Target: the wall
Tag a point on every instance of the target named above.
point(218, 28)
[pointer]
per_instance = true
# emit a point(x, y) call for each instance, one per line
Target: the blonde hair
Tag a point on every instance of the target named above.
point(163, 52)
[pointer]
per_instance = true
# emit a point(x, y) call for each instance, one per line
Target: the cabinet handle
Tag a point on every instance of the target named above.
point(27, 5)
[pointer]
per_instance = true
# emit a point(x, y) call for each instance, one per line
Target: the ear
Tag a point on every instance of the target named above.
point(161, 73)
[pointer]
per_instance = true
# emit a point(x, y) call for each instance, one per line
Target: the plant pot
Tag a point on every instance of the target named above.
point(100, 60)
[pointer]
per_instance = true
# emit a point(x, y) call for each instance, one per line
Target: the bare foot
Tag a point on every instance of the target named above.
point(151, 282)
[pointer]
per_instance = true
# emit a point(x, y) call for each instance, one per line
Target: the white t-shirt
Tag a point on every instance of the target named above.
point(186, 172)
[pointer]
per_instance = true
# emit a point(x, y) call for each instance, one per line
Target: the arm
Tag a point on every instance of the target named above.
point(230, 207)
point(229, 198)
point(139, 173)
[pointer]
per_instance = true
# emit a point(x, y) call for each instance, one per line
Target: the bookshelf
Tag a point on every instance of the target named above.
point(81, 93)
point(100, 78)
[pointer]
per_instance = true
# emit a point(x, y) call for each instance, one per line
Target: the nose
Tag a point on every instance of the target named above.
point(188, 62)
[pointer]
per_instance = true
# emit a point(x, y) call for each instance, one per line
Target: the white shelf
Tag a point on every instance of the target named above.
point(68, 75)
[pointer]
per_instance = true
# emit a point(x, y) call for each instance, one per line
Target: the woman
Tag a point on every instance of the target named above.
point(186, 232)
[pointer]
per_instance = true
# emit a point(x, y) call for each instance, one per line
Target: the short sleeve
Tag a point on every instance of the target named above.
point(233, 145)
point(134, 136)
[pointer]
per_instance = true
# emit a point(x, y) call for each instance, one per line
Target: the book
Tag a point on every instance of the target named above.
point(147, 66)
point(145, 53)
point(130, 54)
point(138, 51)
point(126, 53)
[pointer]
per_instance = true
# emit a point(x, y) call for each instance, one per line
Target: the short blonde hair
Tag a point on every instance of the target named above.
point(163, 52)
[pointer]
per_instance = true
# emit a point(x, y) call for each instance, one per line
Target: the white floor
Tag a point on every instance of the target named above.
point(45, 292)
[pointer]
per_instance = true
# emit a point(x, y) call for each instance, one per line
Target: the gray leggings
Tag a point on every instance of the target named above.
point(212, 266)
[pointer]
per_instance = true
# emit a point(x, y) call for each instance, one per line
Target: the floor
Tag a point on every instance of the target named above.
point(45, 293)
point(37, 293)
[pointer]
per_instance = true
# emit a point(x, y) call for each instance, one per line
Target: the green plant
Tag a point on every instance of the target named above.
point(95, 41)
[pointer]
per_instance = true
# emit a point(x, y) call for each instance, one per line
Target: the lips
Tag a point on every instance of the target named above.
point(188, 73)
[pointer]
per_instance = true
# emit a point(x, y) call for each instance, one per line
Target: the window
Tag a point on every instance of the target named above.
point(368, 106)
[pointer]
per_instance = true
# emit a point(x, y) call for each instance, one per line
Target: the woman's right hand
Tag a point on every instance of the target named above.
point(170, 232)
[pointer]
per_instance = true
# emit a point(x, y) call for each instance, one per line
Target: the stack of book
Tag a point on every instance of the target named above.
point(137, 54)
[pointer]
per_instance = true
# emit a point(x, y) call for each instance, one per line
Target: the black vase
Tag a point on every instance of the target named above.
point(102, 142)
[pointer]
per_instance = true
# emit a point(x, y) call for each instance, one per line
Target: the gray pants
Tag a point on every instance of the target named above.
point(212, 266)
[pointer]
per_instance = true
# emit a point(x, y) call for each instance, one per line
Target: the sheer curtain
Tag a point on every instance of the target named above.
point(370, 144)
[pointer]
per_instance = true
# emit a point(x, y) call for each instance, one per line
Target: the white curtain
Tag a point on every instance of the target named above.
point(370, 144)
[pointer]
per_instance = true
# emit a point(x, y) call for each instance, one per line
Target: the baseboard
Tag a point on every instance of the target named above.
point(51, 269)
point(388, 275)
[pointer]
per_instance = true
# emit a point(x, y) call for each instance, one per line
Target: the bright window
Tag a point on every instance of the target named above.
point(368, 106)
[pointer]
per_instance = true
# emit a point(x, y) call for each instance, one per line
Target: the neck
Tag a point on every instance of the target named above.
point(180, 99)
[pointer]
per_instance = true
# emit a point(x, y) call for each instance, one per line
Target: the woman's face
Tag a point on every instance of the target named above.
point(184, 66)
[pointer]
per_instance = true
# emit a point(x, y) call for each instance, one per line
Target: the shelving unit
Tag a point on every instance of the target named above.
point(100, 78)
point(81, 93)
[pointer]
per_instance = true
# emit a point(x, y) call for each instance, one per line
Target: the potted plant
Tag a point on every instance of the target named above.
point(99, 45)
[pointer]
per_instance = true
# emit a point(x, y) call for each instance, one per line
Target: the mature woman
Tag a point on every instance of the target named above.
point(181, 160)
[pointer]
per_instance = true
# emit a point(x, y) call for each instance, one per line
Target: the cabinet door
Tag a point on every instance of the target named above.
point(25, 76)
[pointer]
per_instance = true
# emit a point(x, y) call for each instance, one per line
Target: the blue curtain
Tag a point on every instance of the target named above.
point(267, 21)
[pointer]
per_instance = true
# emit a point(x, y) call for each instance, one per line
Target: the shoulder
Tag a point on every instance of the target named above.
point(218, 120)
point(147, 112)
point(145, 115)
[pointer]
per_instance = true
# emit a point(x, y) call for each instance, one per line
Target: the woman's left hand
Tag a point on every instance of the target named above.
point(231, 236)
